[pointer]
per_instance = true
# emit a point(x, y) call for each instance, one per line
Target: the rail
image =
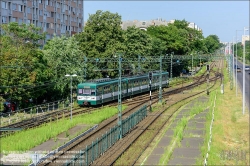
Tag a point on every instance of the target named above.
point(100, 145)
point(26, 113)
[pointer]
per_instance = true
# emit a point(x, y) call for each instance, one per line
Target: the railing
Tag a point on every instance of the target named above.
point(26, 113)
point(63, 146)
point(100, 145)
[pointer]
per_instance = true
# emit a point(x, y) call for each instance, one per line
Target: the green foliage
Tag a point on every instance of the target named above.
point(23, 66)
point(212, 43)
point(102, 37)
point(240, 50)
point(64, 57)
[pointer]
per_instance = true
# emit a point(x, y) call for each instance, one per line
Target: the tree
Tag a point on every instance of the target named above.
point(64, 57)
point(20, 60)
point(102, 37)
point(137, 43)
point(212, 43)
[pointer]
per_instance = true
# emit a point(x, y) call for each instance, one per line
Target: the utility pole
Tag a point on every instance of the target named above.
point(150, 75)
point(192, 64)
point(244, 75)
point(231, 72)
point(233, 64)
point(139, 64)
point(85, 68)
point(120, 97)
point(160, 85)
point(208, 78)
point(171, 66)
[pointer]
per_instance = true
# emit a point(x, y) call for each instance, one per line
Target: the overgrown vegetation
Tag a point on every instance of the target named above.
point(25, 140)
point(178, 131)
point(34, 74)
point(230, 132)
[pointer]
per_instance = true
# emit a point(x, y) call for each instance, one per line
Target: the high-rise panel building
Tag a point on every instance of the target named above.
point(53, 16)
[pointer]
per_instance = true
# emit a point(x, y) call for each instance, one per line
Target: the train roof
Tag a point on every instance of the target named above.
point(103, 81)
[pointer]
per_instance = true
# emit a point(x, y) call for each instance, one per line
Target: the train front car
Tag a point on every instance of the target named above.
point(86, 94)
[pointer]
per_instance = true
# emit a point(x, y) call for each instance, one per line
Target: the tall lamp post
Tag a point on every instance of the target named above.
point(236, 88)
point(67, 75)
point(244, 52)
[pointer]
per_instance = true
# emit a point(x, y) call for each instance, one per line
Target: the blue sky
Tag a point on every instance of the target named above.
point(221, 18)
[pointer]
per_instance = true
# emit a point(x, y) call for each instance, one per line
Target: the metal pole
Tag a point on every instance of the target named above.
point(171, 66)
point(233, 64)
point(71, 97)
point(150, 98)
point(208, 68)
point(231, 72)
point(192, 64)
point(160, 86)
point(120, 98)
point(236, 89)
point(85, 68)
point(244, 88)
point(139, 64)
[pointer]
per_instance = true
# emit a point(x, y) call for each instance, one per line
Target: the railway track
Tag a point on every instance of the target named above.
point(153, 124)
point(80, 144)
point(55, 115)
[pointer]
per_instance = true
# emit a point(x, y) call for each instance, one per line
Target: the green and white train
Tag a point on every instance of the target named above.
point(105, 90)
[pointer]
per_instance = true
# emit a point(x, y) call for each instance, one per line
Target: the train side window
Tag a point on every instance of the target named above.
point(79, 91)
point(86, 91)
point(92, 92)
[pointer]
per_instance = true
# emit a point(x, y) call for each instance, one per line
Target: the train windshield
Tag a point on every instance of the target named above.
point(86, 91)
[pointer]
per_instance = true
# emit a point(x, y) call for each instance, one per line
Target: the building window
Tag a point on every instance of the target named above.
point(4, 5)
point(40, 12)
point(143, 23)
point(28, 10)
point(14, 7)
point(47, 37)
point(20, 21)
point(4, 19)
point(20, 8)
point(47, 25)
point(52, 14)
point(40, 1)
point(47, 2)
point(52, 25)
point(58, 26)
point(13, 19)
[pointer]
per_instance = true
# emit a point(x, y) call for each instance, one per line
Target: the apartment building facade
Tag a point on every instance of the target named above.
point(53, 16)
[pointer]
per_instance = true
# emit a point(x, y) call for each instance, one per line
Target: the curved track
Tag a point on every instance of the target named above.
point(105, 126)
point(52, 116)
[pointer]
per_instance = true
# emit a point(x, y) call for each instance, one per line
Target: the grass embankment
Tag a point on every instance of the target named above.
point(230, 132)
point(25, 140)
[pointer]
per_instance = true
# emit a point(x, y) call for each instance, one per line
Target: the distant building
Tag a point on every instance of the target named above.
point(244, 38)
point(143, 25)
point(53, 16)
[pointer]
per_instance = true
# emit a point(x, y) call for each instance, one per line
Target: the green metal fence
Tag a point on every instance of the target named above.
point(100, 145)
